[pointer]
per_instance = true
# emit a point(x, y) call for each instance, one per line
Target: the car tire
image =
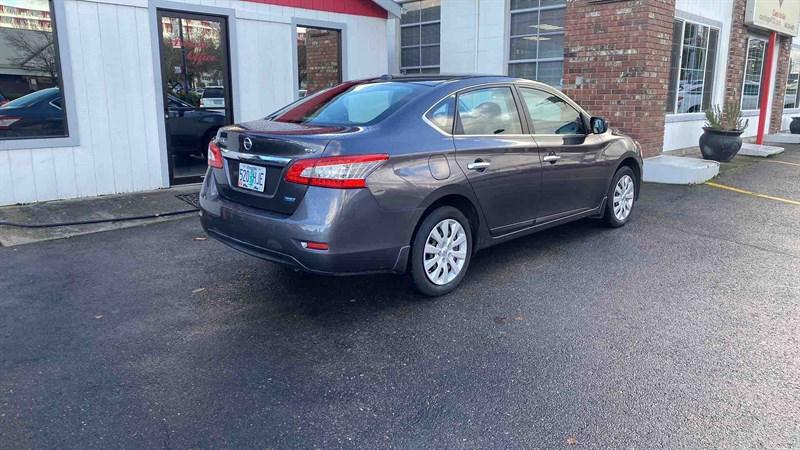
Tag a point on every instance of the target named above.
point(438, 273)
point(623, 188)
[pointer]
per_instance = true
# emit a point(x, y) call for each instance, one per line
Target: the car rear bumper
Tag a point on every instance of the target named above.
point(362, 237)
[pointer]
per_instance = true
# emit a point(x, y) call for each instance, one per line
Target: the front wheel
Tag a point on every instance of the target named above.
point(441, 251)
point(621, 198)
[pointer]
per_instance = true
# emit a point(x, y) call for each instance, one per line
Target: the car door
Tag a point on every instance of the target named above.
point(573, 177)
point(497, 155)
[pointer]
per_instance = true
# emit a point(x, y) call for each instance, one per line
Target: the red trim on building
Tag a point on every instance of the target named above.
point(355, 7)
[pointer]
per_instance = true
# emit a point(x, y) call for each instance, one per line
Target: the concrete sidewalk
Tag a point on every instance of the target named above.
point(110, 207)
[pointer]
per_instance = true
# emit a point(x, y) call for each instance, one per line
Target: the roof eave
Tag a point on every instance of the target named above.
point(390, 6)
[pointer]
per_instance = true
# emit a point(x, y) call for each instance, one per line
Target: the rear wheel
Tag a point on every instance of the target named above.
point(621, 198)
point(441, 251)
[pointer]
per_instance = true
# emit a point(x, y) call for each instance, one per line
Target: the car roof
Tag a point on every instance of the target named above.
point(467, 79)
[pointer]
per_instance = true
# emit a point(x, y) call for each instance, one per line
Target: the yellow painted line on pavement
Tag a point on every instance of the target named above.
point(751, 193)
point(783, 162)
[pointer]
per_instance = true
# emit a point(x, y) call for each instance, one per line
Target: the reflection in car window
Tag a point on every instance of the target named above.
point(441, 115)
point(29, 71)
point(350, 104)
point(488, 111)
point(550, 114)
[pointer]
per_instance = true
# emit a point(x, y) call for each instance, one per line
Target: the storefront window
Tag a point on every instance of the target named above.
point(691, 75)
point(537, 40)
point(31, 104)
point(754, 65)
point(791, 100)
point(420, 37)
point(319, 59)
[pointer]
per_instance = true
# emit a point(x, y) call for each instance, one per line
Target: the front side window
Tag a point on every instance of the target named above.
point(420, 37)
point(753, 67)
point(30, 73)
point(490, 111)
point(537, 40)
point(791, 100)
point(349, 104)
point(691, 75)
point(319, 59)
point(550, 114)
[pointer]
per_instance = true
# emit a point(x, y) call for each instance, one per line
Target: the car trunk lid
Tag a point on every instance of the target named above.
point(272, 146)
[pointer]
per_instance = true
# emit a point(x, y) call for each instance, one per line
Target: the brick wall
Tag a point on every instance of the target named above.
point(616, 63)
point(737, 52)
point(323, 59)
point(784, 45)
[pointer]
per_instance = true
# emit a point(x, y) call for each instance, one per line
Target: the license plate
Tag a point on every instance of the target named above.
point(252, 177)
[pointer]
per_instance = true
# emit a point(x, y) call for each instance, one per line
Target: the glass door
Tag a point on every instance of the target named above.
point(196, 88)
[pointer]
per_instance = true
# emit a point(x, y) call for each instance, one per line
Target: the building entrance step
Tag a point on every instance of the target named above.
point(670, 169)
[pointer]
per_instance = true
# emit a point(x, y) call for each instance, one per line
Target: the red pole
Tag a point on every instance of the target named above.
point(765, 82)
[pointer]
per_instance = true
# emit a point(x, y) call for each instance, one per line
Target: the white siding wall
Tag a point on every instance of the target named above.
point(111, 56)
point(462, 22)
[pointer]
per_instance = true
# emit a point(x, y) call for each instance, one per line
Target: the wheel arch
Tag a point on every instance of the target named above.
point(456, 200)
point(636, 167)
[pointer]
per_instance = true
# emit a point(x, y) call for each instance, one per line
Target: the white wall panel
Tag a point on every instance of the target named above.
point(64, 165)
point(92, 77)
point(23, 186)
point(116, 117)
point(6, 184)
point(44, 174)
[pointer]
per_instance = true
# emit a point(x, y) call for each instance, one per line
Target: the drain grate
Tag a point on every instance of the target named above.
point(191, 198)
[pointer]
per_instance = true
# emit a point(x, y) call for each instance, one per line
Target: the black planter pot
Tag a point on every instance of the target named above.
point(720, 145)
point(794, 127)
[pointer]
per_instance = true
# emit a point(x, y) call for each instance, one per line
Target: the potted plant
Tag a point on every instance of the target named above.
point(721, 139)
point(794, 126)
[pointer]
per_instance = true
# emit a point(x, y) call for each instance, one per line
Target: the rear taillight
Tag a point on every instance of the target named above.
point(214, 155)
point(343, 172)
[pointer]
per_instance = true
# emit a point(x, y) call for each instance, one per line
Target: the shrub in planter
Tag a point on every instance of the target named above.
point(721, 139)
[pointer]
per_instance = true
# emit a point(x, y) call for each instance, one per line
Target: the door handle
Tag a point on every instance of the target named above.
point(551, 158)
point(478, 165)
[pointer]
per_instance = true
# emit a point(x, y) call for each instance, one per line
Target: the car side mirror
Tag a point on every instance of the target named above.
point(599, 125)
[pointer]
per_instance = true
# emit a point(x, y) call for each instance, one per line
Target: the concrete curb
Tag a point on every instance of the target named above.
point(668, 169)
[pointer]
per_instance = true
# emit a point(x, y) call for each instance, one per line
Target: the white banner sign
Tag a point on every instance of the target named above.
point(782, 16)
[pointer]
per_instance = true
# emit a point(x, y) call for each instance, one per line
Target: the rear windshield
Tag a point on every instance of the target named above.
point(212, 93)
point(349, 104)
point(30, 99)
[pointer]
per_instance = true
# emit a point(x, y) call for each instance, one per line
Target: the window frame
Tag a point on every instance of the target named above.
point(66, 85)
point(420, 45)
point(508, 36)
point(718, 28)
point(311, 23)
point(760, 74)
point(793, 49)
point(458, 130)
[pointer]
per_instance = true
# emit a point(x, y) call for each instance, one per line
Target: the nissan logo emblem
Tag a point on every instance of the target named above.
point(248, 143)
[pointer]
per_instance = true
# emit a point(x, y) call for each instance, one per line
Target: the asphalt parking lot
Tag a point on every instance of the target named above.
point(679, 330)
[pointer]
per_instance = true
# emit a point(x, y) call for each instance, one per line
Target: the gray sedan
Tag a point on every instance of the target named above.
point(414, 174)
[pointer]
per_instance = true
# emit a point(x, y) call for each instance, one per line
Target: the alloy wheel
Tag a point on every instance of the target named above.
point(624, 193)
point(445, 252)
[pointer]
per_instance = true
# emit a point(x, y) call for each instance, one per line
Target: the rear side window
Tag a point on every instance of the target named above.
point(350, 104)
point(442, 114)
point(488, 111)
point(550, 114)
